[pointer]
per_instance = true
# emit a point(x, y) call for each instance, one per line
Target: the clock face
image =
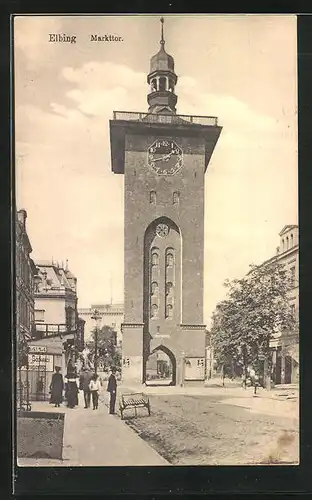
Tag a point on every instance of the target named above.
point(165, 157)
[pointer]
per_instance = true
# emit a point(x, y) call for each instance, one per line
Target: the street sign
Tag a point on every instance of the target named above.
point(43, 361)
point(37, 349)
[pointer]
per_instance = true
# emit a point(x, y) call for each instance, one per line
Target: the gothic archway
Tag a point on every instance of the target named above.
point(161, 367)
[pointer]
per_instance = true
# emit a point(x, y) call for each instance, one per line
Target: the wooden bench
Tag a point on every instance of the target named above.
point(136, 400)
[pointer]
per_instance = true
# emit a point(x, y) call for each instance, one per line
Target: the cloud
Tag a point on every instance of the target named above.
point(31, 32)
point(73, 199)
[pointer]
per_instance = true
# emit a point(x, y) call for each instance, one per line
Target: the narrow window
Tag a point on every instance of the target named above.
point(169, 287)
point(292, 240)
point(169, 311)
point(169, 259)
point(155, 259)
point(154, 288)
point(162, 84)
point(154, 310)
point(287, 243)
point(176, 197)
point(153, 197)
point(283, 245)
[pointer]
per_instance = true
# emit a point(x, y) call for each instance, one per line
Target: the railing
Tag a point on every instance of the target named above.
point(162, 118)
point(52, 330)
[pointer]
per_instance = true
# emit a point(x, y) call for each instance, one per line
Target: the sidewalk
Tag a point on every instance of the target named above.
point(95, 438)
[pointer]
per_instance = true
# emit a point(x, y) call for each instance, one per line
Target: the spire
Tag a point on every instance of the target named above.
point(162, 80)
point(162, 41)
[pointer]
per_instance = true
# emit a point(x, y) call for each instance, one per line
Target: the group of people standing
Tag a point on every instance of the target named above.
point(88, 382)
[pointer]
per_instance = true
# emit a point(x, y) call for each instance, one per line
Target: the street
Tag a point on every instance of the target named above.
point(187, 426)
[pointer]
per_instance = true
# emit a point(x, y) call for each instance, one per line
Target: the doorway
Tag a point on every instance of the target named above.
point(160, 367)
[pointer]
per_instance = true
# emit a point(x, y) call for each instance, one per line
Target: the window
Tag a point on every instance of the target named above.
point(39, 315)
point(283, 245)
point(169, 311)
point(169, 259)
point(176, 197)
point(154, 288)
point(292, 276)
point(162, 84)
point(154, 310)
point(292, 240)
point(287, 243)
point(155, 259)
point(169, 287)
point(153, 197)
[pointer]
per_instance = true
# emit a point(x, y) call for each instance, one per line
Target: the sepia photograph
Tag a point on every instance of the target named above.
point(156, 240)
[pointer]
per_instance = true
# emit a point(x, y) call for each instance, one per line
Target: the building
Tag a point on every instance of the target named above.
point(25, 305)
point(285, 346)
point(25, 273)
point(163, 157)
point(58, 332)
point(111, 315)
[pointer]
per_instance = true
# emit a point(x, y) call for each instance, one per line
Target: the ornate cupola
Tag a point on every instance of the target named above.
point(162, 80)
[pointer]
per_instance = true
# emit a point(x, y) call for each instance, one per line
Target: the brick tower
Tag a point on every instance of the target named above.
point(164, 157)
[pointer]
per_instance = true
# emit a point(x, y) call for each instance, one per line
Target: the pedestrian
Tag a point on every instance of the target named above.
point(71, 390)
point(84, 382)
point(95, 386)
point(112, 389)
point(56, 387)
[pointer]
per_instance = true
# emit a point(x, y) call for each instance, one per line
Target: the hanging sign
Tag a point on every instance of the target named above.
point(37, 349)
point(43, 361)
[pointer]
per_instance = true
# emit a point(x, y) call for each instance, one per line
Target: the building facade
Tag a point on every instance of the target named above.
point(285, 346)
point(57, 329)
point(163, 157)
point(111, 315)
point(25, 273)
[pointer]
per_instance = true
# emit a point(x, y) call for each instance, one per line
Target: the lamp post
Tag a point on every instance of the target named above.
point(97, 318)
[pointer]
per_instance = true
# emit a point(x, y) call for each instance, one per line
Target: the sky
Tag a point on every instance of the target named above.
point(240, 68)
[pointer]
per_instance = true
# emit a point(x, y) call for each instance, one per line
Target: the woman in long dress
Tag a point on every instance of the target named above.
point(71, 391)
point(56, 387)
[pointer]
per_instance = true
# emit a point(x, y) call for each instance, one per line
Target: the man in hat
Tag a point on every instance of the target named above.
point(84, 382)
point(112, 389)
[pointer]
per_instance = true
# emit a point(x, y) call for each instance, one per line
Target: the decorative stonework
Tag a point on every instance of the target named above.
point(162, 230)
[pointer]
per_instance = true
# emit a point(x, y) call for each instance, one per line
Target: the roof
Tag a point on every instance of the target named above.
point(162, 61)
point(288, 228)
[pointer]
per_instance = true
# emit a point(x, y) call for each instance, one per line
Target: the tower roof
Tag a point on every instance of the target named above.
point(162, 61)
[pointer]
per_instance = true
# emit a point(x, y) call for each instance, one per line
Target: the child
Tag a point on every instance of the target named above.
point(95, 387)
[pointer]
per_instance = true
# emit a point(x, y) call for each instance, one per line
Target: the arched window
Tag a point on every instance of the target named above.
point(154, 85)
point(292, 240)
point(154, 310)
point(155, 258)
point(176, 197)
point(153, 197)
point(162, 84)
point(169, 259)
point(169, 311)
point(169, 287)
point(154, 288)
point(287, 243)
point(283, 245)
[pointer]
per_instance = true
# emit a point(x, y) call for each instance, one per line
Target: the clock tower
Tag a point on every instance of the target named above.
point(164, 157)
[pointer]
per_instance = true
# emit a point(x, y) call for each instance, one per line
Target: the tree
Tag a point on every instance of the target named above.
point(256, 309)
point(108, 353)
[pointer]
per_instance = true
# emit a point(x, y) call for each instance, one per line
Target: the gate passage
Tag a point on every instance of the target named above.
point(136, 400)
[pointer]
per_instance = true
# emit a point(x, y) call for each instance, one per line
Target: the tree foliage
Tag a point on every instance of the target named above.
point(256, 308)
point(108, 353)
